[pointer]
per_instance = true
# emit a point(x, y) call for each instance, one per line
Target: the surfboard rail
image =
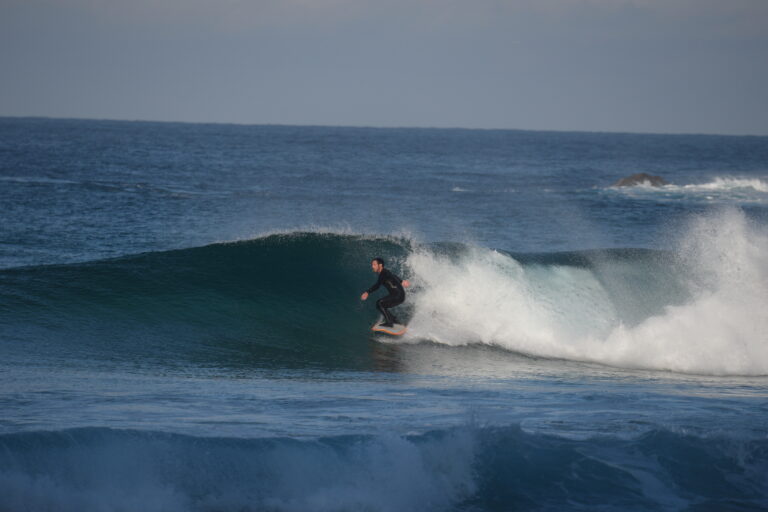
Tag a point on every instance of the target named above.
point(395, 330)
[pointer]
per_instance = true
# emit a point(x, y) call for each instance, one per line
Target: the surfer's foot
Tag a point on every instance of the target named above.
point(387, 324)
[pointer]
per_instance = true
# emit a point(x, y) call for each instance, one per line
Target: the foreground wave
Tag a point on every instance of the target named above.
point(463, 469)
point(292, 299)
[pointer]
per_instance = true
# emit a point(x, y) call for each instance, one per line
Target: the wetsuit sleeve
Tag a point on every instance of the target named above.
point(376, 284)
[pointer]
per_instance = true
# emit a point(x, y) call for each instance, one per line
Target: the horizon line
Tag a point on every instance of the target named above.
point(375, 127)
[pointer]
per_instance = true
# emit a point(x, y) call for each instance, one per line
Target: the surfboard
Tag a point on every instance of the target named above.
point(395, 330)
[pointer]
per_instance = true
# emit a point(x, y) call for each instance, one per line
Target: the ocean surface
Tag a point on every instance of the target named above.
point(181, 326)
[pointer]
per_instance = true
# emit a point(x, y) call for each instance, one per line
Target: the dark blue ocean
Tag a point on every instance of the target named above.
point(181, 326)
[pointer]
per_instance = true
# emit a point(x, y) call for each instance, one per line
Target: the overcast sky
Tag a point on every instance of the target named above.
point(670, 66)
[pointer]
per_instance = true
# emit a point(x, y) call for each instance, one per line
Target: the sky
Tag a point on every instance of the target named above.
point(661, 66)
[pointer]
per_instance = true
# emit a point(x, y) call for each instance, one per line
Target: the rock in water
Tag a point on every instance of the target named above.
point(641, 179)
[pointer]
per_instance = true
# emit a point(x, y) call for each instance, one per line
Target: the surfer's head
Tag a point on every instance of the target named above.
point(377, 264)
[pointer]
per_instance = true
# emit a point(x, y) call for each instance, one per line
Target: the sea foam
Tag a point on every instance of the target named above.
point(720, 189)
point(717, 326)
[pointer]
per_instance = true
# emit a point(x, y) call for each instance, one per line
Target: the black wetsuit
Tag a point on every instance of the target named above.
point(394, 286)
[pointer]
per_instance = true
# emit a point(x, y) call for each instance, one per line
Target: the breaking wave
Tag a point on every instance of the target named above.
point(718, 190)
point(293, 299)
point(699, 309)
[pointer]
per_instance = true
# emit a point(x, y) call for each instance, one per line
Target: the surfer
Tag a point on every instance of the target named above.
point(394, 285)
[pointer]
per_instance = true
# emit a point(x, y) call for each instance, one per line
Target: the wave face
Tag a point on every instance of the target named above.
point(293, 299)
point(462, 469)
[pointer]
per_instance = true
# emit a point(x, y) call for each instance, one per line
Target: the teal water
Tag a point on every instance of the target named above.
point(181, 329)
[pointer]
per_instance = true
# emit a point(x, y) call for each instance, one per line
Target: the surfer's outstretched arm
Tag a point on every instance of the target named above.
point(375, 285)
point(372, 288)
point(406, 283)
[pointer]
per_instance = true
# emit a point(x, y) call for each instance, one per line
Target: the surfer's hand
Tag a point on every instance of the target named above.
point(406, 283)
point(364, 296)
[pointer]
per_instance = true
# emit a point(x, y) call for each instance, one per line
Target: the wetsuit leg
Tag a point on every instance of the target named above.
point(387, 302)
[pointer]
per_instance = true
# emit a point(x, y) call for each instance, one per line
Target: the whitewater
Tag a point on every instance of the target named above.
point(624, 311)
point(181, 329)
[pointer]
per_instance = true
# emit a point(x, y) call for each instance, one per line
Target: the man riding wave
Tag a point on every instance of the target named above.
point(394, 285)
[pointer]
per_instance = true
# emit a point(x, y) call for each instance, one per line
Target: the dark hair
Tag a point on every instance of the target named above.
point(378, 260)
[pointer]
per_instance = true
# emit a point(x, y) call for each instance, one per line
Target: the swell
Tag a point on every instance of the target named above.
point(468, 468)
